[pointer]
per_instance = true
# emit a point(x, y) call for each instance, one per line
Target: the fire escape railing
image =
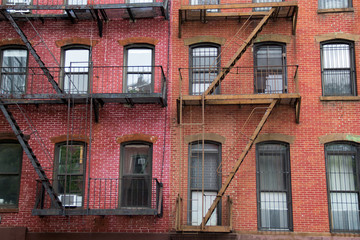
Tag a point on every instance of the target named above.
point(107, 196)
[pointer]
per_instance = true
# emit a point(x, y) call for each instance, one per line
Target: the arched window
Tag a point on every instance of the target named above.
point(13, 69)
point(342, 172)
point(273, 186)
point(136, 174)
point(270, 68)
point(210, 182)
point(338, 68)
point(139, 71)
point(76, 61)
point(11, 154)
point(204, 66)
point(69, 172)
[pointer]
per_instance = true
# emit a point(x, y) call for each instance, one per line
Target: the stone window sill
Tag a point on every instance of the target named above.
point(335, 10)
point(340, 98)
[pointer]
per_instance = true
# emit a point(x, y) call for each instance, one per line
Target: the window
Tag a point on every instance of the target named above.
point(76, 60)
point(204, 67)
point(10, 171)
point(139, 74)
point(69, 176)
point(338, 68)
point(76, 2)
point(327, 4)
point(206, 2)
point(273, 186)
point(140, 1)
point(136, 159)
point(13, 70)
point(211, 184)
point(18, 2)
point(342, 170)
point(264, 1)
point(270, 68)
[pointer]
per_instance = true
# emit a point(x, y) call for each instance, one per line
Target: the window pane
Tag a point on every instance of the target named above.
point(203, 69)
point(197, 205)
point(77, 60)
point(136, 191)
point(76, 83)
point(345, 211)
point(341, 171)
point(9, 189)
point(139, 57)
point(137, 159)
point(20, 2)
point(10, 158)
point(77, 2)
point(325, 4)
point(274, 212)
point(336, 56)
point(70, 184)
point(71, 159)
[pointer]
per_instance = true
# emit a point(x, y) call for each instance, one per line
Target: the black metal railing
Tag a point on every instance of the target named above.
point(109, 194)
point(240, 80)
point(24, 82)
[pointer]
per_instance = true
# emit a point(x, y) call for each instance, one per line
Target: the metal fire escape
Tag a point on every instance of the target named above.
point(99, 13)
point(204, 13)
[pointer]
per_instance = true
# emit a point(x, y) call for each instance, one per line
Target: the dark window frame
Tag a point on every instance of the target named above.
point(287, 181)
point(202, 69)
point(357, 178)
point(283, 68)
point(63, 72)
point(145, 176)
point(352, 68)
point(56, 168)
point(126, 70)
point(350, 5)
point(15, 47)
point(15, 205)
point(219, 180)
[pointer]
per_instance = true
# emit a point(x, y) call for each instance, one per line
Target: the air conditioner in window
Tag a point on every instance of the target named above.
point(70, 200)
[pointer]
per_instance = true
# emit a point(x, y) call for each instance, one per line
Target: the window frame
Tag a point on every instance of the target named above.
point(357, 173)
point(257, 47)
point(56, 169)
point(122, 175)
point(287, 181)
point(219, 181)
point(191, 64)
point(352, 68)
point(15, 205)
point(126, 72)
point(15, 47)
point(63, 67)
point(350, 5)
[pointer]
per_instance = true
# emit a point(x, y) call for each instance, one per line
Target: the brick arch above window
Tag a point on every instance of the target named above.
point(337, 36)
point(275, 137)
point(273, 38)
point(76, 41)
point(64, 138)
point(10, 136)
point(134, 40)
point(137, 137)
point(204, 39)
point(339, 137)
point(207, 136)
point(11, 41)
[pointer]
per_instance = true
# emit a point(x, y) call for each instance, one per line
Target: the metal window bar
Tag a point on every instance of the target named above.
point(342, 178)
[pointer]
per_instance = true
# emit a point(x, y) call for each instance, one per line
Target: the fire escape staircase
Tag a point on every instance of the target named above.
point(209, 94)
point(15, 127)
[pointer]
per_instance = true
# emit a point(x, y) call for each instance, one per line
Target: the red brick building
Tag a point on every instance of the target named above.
point(267, 134)
point(130, 119)
point(85, 138)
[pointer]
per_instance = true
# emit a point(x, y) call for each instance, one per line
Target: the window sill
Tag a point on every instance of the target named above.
point(335, 10)
point(340, 98)
point(9, 210)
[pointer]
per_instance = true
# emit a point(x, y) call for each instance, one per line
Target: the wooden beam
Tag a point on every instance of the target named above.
point(239, 162)
point(238, 54)
point(239, 5)
point(235, 14)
